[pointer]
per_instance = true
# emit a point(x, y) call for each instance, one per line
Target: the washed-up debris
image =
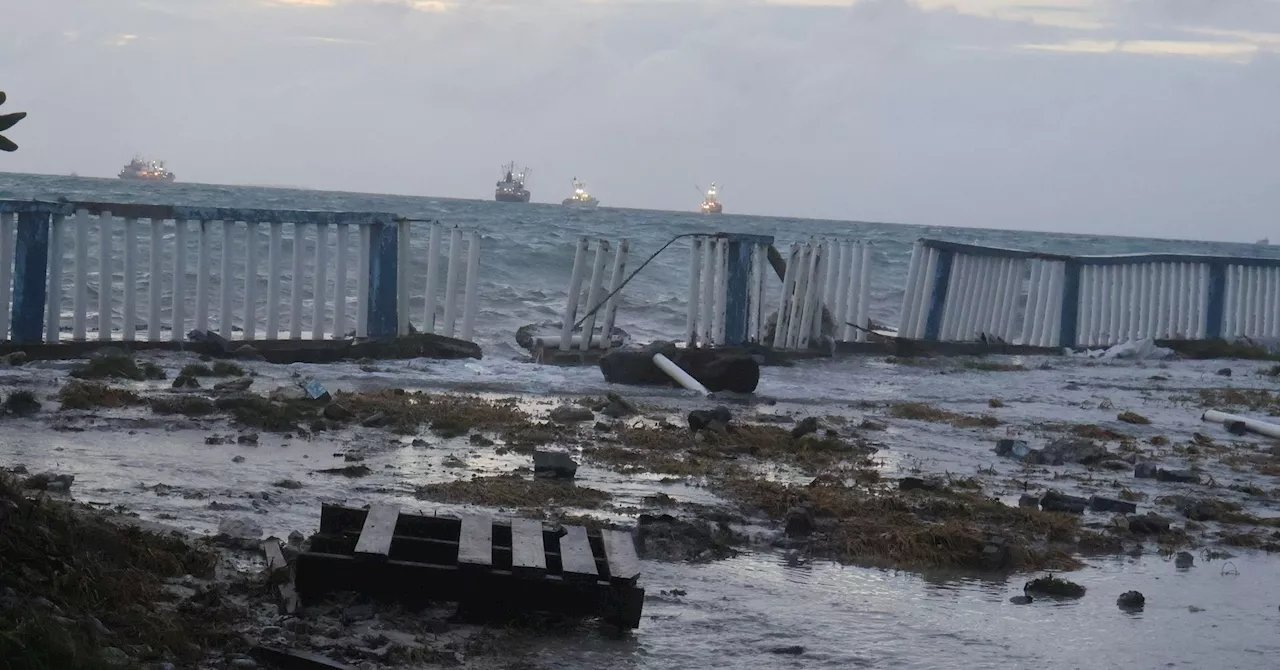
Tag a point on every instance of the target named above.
point(1133, 417)
point(1054, 501)
point(1101, 504)
point(348, 471)
point(21, 403)
point(554, 465)
point(571, 414)
point(1143, 349)
point(668, 538)
point(1059, 452)
point(716, 419)
point(618, 407)
point(1053, 586)
point(241, 384)
point(1145, 470)
point(806, 426)
point(1131, 601)
point(111, 363)
point(1177, 476)
point(1184, 560)
point(919, 484)
point(77, 394)
point(1148, 524)
point(316, 391)
point(49, 481)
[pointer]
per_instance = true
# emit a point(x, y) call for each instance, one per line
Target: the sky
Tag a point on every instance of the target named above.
point(1135, 117)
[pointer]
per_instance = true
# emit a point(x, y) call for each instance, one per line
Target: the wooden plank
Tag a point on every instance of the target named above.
point(576, 560)
point(620, 549)
point(379, 528)
point(475, 542)
point(527, 551)
point(277, 567)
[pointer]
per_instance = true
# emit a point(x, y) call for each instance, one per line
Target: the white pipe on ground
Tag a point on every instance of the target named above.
point(1259, 427)
point(682, 378)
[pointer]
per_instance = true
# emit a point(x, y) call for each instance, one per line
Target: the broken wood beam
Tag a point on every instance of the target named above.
point(376, 534)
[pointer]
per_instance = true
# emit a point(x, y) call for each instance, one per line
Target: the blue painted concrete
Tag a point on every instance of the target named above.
point(31, 262)
point(938, 301)
point(382, 315)
point(1070, 304)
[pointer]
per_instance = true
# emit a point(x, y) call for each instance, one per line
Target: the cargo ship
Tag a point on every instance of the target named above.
point(145, 170)
point(511, 188)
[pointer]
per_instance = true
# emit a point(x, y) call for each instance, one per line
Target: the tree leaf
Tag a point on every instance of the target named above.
point(6, 145)
point(7, 120)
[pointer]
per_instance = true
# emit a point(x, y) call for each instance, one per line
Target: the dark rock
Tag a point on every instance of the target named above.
point(48, 481)
point(241, 384)
point(1114, 464)
point(793, 650)
point(1177, 476)
point(1131, 601)
point(15, 358)
point(602, 427)
point(571, 414)
point(186, 382)
point(247, 438)
point(1237, 427)
point(1053, 501)
point(418, 442)
point(356, 613)
point(1019, 450)
point(1145, 470)
point(336, 411)
point(917, 483)
point(288, 484)
point(1148, 524)
point(1184, 560)
point(619, 407)
point(1028, 500)
point(1101, 504)
point(1074, 450)
point(665, 537)
point(717, 370)
point(1225, 372)
point(800, 521)
point(480, 440)
point(806, 426)
point(237, 459)
point(375, 420)
point(703, 418)
point(554, 465)
point(1053, 586)
point(1021, 600)
point(1205, 510)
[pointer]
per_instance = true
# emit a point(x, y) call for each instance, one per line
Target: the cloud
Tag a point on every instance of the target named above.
point(1115, 116)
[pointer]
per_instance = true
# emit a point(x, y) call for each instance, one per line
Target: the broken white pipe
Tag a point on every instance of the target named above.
point(682, 378)
point(1255, 426)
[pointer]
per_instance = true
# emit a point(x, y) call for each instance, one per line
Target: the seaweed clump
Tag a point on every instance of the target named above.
point(117, 366)
point(77, 394)
point(1052, 586)
point(513, 491)
point(76, 582)
point(447, 414)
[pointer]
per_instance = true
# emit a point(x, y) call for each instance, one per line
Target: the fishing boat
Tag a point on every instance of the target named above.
point(139, 169)
point(711, 201)
point(511, 188)
point(580, 197)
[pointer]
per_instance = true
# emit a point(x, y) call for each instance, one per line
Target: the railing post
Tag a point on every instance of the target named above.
point(1216, 299)
point(382, 318)
point(938, 297)
point(31, 262)
point(737, 302)
point(1070, 303)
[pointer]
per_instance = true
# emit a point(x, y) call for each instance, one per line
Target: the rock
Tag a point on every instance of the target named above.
point(1019, 450)
point(1113, 464)
point(1148, 524)
point(1132, 417)
point(916, 483)
point(1021, 600)
point(271, 631)
point(1053, 586)
point(995, 553)
point(602, 427)
point(287, 393)
point(48, 481)
point(237, 459)
point(793, 650)
point(242, 529)
point(288, 484)
point(375, 420)
point(296, 539)
point(1184, 560)
point(335, 411)
point(1074, 450)
point(553, 465)
point(800, 521)
point(114, 656)
point(1177, 476)
point(571, 414)
point(1237, 427)
point(241, 384)
point(1053, 501)
point(247, 438)
point(480, 440)
point(619, 406)
point(1131, 601)
point(356, 613)
point(1224, 372)
point(703, 418)
point(186, 382)
point(1145, 470)
point(418, 442)
point(806, 426)
point(716, 370)
point(96, 630)
point(1101, 504)
point(1028, 500)
point(15, 358)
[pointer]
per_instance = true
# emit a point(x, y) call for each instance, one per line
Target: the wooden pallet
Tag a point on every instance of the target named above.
point(478, 562)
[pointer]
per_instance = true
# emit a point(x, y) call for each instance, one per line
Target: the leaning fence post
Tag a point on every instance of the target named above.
point(738, 296)
point(1216, 299)
point(938, 298)
point(381, 316)
point(31, 261)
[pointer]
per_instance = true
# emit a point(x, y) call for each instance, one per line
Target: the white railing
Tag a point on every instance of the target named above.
point(596, 292)
point(824, 277)
point(439, 311)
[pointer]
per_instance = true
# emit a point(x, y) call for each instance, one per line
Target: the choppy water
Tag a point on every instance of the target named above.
point(736, 611)
point(528, 249)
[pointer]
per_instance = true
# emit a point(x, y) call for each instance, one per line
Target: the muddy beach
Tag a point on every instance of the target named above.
point(887, 522)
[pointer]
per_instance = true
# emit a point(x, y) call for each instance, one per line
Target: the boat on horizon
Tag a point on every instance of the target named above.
point(711, 201)
point(580, 197)
point(511, 188)
point(139, 169)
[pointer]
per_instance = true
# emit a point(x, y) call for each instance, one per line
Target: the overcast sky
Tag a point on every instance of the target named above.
point(1141, 117)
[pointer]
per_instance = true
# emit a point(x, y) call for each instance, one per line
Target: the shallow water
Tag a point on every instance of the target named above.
point(737, 610)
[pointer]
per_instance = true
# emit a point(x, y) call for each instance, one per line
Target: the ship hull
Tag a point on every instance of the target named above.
point(134, 177)
point(712, 209)
point(501, 196)
point(581, 204)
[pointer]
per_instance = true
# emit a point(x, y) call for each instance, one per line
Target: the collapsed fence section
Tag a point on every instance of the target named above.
point(727, 294)
point(601, 302)
point(110, 271)
point(826, 281)
point(439, 312)
point(961, 293)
